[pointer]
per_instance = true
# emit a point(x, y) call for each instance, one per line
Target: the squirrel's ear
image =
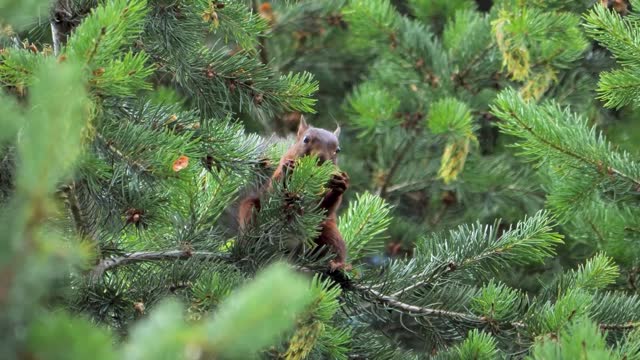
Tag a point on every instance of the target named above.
point(303, 127)
point(336, 132)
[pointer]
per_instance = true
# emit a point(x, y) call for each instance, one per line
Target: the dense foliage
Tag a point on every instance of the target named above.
point(494, 206)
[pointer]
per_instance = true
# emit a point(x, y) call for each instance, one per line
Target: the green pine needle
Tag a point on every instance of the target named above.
point(364, 224)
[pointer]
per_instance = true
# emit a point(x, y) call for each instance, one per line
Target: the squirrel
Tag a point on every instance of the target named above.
point(325, 145)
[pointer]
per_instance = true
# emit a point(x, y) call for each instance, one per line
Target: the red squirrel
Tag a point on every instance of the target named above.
point(323, 144)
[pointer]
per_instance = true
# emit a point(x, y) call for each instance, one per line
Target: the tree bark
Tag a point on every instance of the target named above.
point(63, 19)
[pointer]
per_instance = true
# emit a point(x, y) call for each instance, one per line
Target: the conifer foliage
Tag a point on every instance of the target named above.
point(475, 143)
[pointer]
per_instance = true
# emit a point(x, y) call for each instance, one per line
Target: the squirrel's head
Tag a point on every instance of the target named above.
point(315, 141)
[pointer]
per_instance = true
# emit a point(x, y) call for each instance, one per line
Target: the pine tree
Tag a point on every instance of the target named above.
point(129, 134)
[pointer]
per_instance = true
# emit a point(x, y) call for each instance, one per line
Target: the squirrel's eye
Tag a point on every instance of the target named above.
point(305, 140)
point(338, 150)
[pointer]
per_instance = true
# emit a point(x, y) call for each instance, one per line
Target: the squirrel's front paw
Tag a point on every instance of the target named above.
point(289, 165)
point(339, 182)
point(337, 265)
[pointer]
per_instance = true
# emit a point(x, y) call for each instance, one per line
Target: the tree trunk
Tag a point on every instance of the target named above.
point(64, 18)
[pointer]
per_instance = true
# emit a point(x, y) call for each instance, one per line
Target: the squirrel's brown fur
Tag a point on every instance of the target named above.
point(323, 144)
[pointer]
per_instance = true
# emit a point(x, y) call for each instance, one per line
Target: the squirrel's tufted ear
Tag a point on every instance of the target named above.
point(303, 127)
point(336, 132)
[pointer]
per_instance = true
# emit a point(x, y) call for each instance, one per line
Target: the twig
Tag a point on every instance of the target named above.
point(595, 230)
point(409, 288)
point(630, 228)
point(96, 45)
point(16, 41)
point(392, 302)
point(60, 18)
point(146, 256)
point(405, 185)
point(55, 37)
point(382, 191)
point(449, 268)
point(264, 58)
point(133, 163)
point(473, 61)
point(74, 209)
point(262, 46)
point(620, 327)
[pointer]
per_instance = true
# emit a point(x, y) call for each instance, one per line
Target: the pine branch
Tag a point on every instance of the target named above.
point(74, 208)
point(570, 153)
point(387, 300)
point(450, 267)
point(392, 302)
point(148, 256)
point(545, 136)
